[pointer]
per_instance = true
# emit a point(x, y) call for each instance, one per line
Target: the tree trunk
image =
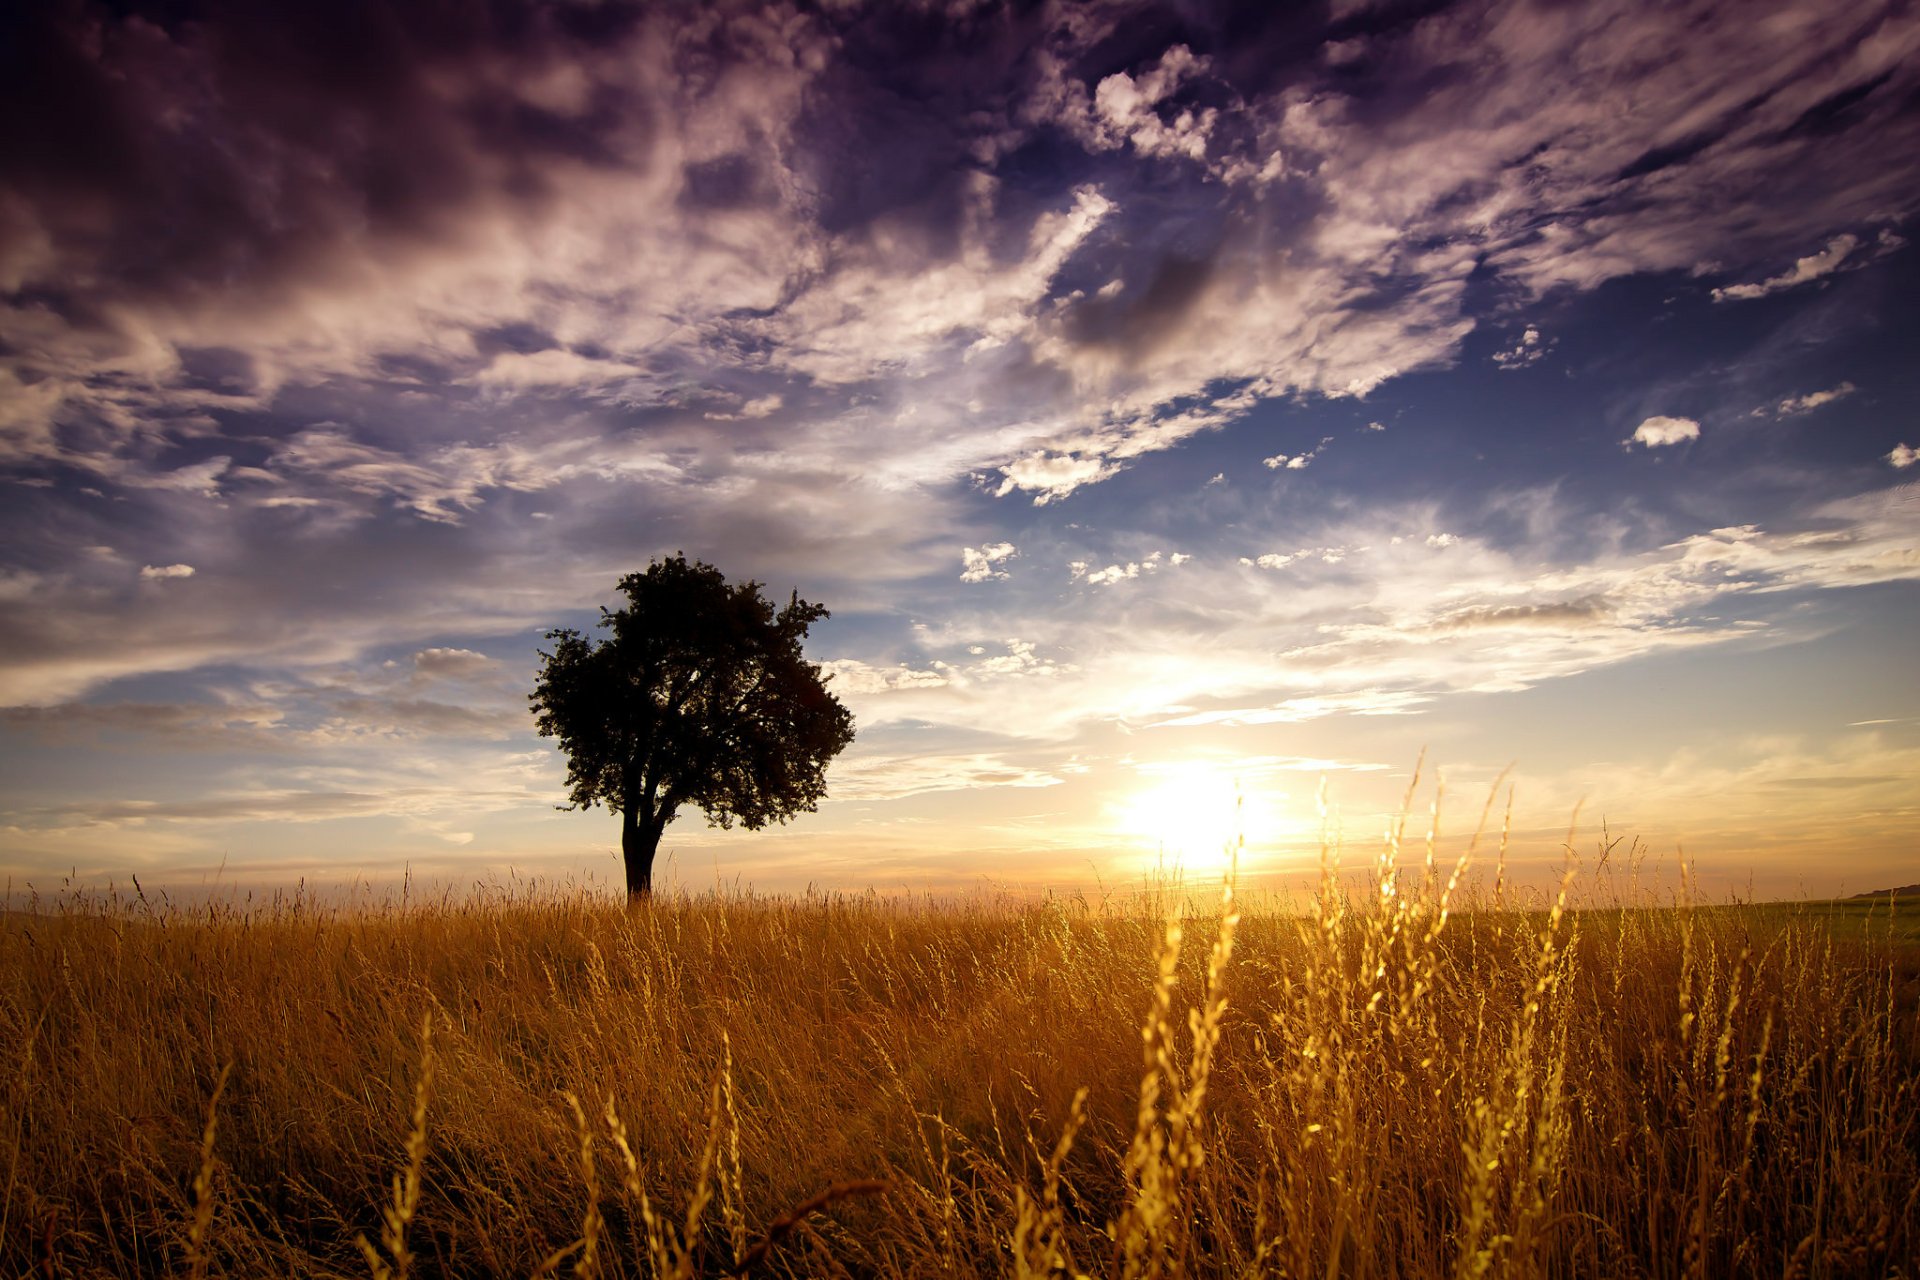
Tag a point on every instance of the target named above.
point(639, 841)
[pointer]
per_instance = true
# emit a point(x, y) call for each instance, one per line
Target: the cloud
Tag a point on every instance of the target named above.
point(574, 214)
point(897, 777)
point(551, 368)
point(154, 572)
point(251, 726)
point(759, 407)
point(1022, 658)
point(354, 719)
point(1127, 109)
point(1529, 349)
point(1586, 611)
point(977, 565)
point(451, 663)
point(1281, 559)
point(278, 806)
point(1369, 702)
point(1809, 268)
point(852, 676)
point(1500, 620)
point(1903, 456)
point(1113, 573)
point(201, 477)
point(1658, 432)
point(1298, 461)
point(446, 484)
point(1049, 476)
point(1813, 400)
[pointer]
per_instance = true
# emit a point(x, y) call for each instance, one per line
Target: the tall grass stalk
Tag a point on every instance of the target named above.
point(397, 1214)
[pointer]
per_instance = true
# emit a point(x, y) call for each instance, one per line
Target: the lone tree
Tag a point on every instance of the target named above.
point(698, 696)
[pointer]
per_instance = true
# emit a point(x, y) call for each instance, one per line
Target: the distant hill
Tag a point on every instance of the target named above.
point(1905, 891)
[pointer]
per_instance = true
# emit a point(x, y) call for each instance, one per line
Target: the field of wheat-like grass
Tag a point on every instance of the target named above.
point(1406, 1075)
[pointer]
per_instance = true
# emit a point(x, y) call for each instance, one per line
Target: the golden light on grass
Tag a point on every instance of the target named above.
point(1396, 1077)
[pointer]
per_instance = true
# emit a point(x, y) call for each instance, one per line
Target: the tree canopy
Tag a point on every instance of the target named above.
point(699, 694)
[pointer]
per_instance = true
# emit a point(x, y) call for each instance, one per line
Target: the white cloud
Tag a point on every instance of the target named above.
point(1022, 658)
point(1814, 400)
point(1660, 431)
point(852, 676)
point(1903, 455)
point(1127, 109)
point(1811, 267)
point(1368, 702)
point(1529, 349)
point(1280, 560)
point(1298, 461)
point(1052, 475)
point(978, 564)
point(1113, 573)
point(157, 571)
point(1148, 564)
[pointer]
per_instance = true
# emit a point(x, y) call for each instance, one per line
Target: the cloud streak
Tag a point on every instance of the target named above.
point(1804, 271)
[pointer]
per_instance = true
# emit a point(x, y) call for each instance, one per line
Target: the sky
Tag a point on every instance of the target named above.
point(1180, 407)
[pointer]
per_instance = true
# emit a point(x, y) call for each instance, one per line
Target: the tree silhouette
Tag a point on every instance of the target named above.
point(700, 695)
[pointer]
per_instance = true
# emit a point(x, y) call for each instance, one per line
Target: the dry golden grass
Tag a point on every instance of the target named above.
point(1401, 1079)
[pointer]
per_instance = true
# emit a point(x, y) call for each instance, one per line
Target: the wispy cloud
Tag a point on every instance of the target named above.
point(898, 777)
point(1813, 400)
point(1803, 271)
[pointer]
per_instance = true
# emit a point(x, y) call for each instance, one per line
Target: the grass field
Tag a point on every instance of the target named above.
point(1399, 1079)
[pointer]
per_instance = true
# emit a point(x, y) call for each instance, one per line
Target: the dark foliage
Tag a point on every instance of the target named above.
point(699, 695)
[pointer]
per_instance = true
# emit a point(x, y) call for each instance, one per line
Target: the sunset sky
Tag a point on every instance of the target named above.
point(1164, 398)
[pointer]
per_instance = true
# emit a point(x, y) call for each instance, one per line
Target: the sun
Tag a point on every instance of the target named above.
point(1190, 814)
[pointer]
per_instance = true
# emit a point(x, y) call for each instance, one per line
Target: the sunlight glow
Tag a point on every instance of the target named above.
point(1189, 814)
